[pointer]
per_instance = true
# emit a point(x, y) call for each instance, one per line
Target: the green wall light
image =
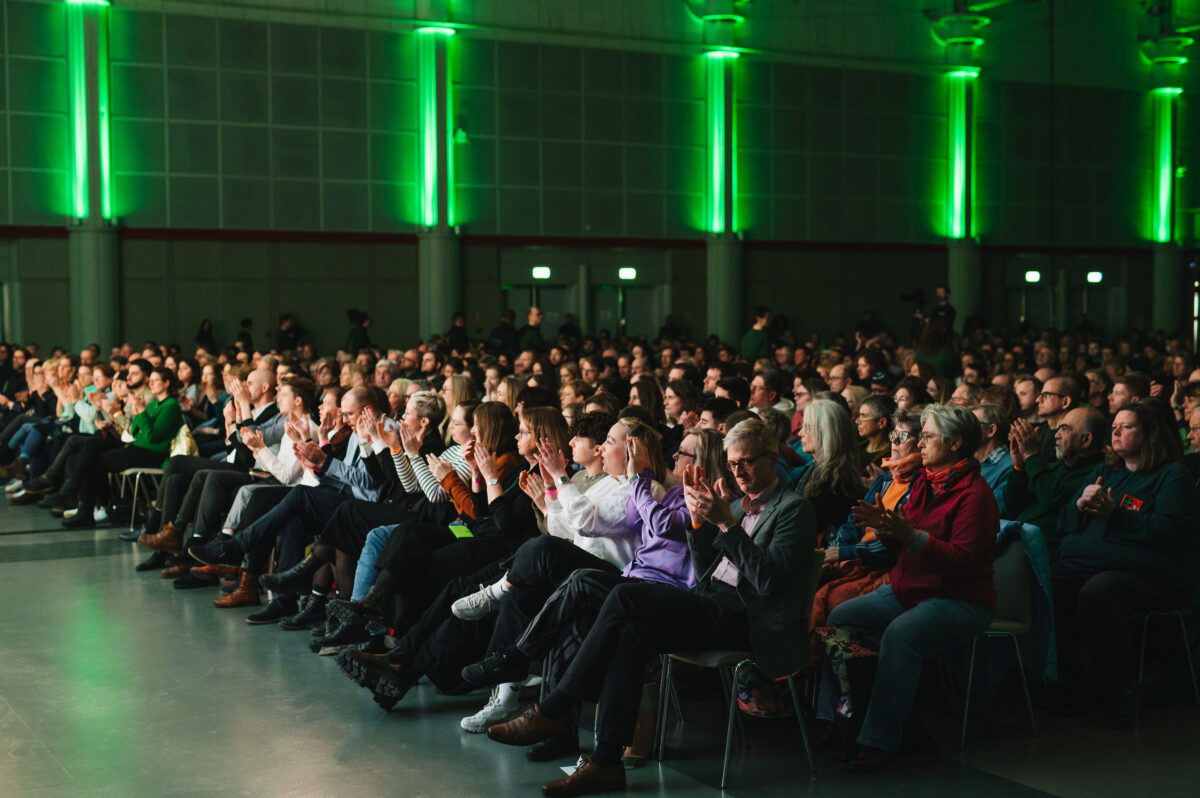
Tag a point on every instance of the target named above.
point(427, 119)
point(540, 272)
point(722, 175)
point(1033, 276)
point(102, 107)
point(627, 273)
point(1164, 162)
point(959, 116)
point(1095, 277)
point(77, 89)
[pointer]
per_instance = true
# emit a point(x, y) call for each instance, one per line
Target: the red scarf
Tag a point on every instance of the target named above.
point(942, 481)
point(904, 469)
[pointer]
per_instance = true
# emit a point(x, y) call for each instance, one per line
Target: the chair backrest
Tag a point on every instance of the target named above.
point(1012, 578)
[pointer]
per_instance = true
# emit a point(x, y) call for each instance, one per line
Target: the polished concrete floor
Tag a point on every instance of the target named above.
point(112, 683)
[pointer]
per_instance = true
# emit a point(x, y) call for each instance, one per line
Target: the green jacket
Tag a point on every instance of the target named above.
point(155, 427)
point(755, 345)
point(773, 568)
point(1036, 493)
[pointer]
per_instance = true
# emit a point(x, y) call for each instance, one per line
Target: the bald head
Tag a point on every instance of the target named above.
point(1080, 434)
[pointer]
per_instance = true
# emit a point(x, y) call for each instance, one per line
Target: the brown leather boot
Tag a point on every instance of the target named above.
point(168, 539)
point(247, 593)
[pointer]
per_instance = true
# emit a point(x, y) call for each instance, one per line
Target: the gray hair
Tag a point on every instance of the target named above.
point(429, 405)
point(907, 418)
point(989, 414)
point(952, 421)
point(754, 435)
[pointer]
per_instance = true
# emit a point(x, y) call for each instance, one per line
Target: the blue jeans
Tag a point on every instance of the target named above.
point(364, 573)
point(910, 637)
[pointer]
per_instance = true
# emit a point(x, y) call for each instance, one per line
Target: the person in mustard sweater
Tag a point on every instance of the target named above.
point(153, 428)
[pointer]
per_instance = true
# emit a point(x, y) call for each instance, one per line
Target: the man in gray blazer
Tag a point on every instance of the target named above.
point(750, 560)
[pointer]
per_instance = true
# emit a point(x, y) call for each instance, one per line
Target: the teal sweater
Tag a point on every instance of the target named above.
point(1153, 531)
point(155, 427)
point(1036, 494)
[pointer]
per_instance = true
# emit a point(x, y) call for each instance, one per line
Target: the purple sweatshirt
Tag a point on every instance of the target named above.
point(663, 556)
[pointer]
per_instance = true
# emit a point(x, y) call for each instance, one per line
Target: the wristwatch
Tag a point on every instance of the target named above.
point(563, 480)
point(493, 481)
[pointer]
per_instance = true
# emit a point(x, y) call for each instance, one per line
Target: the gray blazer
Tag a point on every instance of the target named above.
point(773, 568)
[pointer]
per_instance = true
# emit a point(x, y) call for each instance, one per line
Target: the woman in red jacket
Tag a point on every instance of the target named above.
point(941, 594)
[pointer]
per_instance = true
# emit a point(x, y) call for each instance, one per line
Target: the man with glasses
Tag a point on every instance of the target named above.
point(1059, 396)
point(750, 558)
point(1039, 486)
point(302, 513)
point(839, 377)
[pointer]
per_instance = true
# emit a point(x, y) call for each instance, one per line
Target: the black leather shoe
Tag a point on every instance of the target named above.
point(24, 499)
point(509, 665)
point(279, 608)
point(560, 746)
point(156, 561)
point(38, 486)
point(192, 581)
point(312, 615)
point(222, 550)
point(346, 634)
point(296, 579)
point(369, 607)
point(53, 501)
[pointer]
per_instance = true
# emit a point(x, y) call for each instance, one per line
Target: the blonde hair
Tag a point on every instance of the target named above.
point(837, 452)
point(636, 428)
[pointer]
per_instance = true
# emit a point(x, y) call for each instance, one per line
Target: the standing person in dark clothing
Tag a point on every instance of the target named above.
point(357, 339)
point(457, 336)
point(204, 337)
point(503, 338)
point(530, 336)
point(243, 340)
point(288, 334)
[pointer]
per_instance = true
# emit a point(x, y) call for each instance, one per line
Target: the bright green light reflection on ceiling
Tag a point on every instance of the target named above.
point(440, 31)
point(718, 55)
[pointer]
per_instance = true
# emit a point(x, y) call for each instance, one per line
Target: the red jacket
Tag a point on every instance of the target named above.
point(955, 559)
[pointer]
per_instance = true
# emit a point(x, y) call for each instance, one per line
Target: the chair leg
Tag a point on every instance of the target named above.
point(800, 719)
point(729, 726)
point(1137, 706)
point(664, 688)
point(1187, 653)
point(137, 494)
point(1024, 684)
point(962, 742)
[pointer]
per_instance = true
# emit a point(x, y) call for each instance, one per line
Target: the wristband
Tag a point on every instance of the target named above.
point(399, 450)
point(368, 441)
point(552, 492)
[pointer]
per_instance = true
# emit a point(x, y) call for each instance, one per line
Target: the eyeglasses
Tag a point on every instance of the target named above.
point(899, 436)
point(744, 463)
point(1051, 393)
point(867, 418)
point(682, 453)
point(928, 436)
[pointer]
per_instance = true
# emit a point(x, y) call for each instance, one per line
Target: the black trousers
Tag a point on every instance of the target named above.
point(94, 486)
point(563, 622)
point(347, 529)
point(177, 486)
point(1094, 618)
point(538, 567)
point(209, 498)
point(81, 468)
point(293, 522)
point(58, 466)
point(439, 645)
point(640, 620)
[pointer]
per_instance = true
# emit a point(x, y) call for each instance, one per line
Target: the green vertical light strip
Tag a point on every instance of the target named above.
point(77, 88)
point(427, 119)
point(1164, 162)
point(448, 135)
point(102, 106)
point(961, 83)
point(718, 138)
point(432, 141)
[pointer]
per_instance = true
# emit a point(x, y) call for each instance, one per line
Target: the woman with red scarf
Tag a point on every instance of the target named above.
point(940, 595)
point(860, 559)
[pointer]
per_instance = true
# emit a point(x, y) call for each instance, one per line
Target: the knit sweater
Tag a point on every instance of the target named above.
point(155, 427)
point(951, 555)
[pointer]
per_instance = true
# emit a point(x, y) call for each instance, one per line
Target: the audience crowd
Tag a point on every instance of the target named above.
point(499, 511)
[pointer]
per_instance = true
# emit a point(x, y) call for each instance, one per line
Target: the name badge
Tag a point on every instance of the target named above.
point(1131, 503)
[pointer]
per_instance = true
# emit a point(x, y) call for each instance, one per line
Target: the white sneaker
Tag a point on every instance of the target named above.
point(74, 511)
point(99, 515)
point(14, 486)
point(478, 605)
point(493, 712)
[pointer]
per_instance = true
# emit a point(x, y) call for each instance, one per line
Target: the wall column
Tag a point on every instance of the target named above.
point(439, 262)
point(93, 244)
point(723, 287)
point(963, 267)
